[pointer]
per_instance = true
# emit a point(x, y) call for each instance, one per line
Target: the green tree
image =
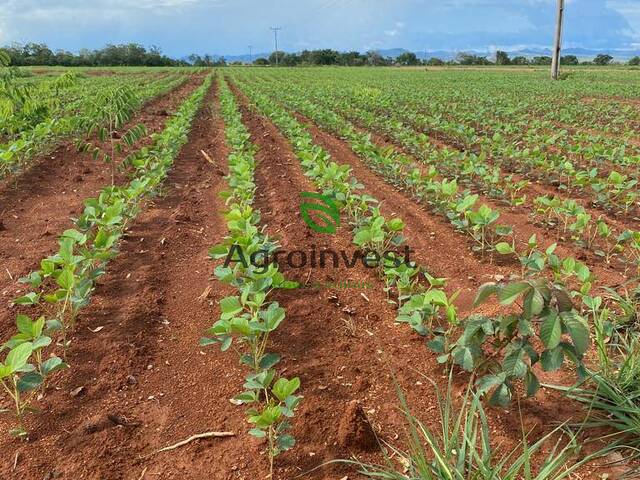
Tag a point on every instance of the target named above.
point(279, 55)
point(353, 59)
point(374, 59)
point(569, 60)
point(603, 59)
point(407, 59)
point(261, 61)
point(520, 60)
point(502, 58)
point(543, 60)
point(324, 57)
point(635, 61)
point(435, 62)
point(464, 58)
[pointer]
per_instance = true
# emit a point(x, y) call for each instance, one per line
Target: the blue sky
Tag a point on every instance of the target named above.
point(180, 27)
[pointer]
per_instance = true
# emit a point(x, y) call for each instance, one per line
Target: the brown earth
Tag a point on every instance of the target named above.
point(37, 204)
point(143, 383)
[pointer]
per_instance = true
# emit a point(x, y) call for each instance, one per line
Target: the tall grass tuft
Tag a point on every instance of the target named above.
point(461, 448)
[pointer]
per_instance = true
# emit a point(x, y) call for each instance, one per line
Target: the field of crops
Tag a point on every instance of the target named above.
point(323, 273)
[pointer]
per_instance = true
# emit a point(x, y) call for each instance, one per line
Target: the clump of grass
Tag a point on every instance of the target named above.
point(612, 396)
point(461, 448)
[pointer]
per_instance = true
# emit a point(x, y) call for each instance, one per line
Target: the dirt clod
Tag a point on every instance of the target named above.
point(355, 431)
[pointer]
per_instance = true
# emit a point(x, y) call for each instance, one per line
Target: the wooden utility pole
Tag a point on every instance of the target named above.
point(275, 35)
point(250, 54)
point(557, 45)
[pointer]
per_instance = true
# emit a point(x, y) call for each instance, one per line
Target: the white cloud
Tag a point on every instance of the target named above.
point(630, 9)
point(226, 27)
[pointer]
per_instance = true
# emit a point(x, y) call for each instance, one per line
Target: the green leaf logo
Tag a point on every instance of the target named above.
point(327, 211)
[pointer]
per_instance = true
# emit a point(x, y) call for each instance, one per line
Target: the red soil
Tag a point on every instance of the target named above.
point(147, 384)
point(37, 204)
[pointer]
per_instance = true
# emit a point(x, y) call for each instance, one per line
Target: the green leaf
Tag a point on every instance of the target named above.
point(578, 330)
point(510, 293)
point(29, 382)
point(247, 397)
point(552, 359)
point(256, 432)
point(484, 292)
point(269, 360)
point(75, 235)
point(52, 364)
point(226, 343)
point(504, 248)
point(17, 357)
point(395, 225)
point(230, 306)
point(551, 331)
point(286, 442)
point(273, 317)
point(487, 382)
point(501, 396)
point(268, 417)
point(24, 323)
point(66, 278)
point(513, 365)
point(437, 344)
point(533, 303)
point(532, 384)
point(464, 357)
point(283, 388)
point(30, 298)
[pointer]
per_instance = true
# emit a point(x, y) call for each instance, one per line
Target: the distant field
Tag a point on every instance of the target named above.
point(507, 206)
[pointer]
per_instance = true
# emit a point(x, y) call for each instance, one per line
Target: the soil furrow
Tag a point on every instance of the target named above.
point(39, 204)
point(537, 187)
point(344, 343)
point(145, 382)
point(516, 218)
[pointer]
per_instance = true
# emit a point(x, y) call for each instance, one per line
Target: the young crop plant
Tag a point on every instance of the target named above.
point(371, 231)
point(69, 101)
point(564, 333)
point(249, 318)
point(23, 372)
point(401, 171)
point(65, 280)
point(115, 106)
point(541, 153)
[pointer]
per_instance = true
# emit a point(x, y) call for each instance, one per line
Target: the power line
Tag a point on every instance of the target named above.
point(275, 35)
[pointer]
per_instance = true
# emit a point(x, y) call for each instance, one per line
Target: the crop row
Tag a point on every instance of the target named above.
point(63, 284)
point(535, 154)
point(437, 185)
point(250, 317)
point(425, 309)
point(96, 105)
point(550, 308)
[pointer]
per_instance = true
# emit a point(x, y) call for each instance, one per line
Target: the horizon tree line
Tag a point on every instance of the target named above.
point(133, 54)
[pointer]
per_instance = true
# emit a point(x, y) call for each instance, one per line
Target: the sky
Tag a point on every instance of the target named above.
point(228, 27)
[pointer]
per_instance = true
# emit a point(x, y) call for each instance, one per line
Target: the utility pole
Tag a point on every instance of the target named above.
point(275, 35)
point(557, 46)
point(250, 54)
